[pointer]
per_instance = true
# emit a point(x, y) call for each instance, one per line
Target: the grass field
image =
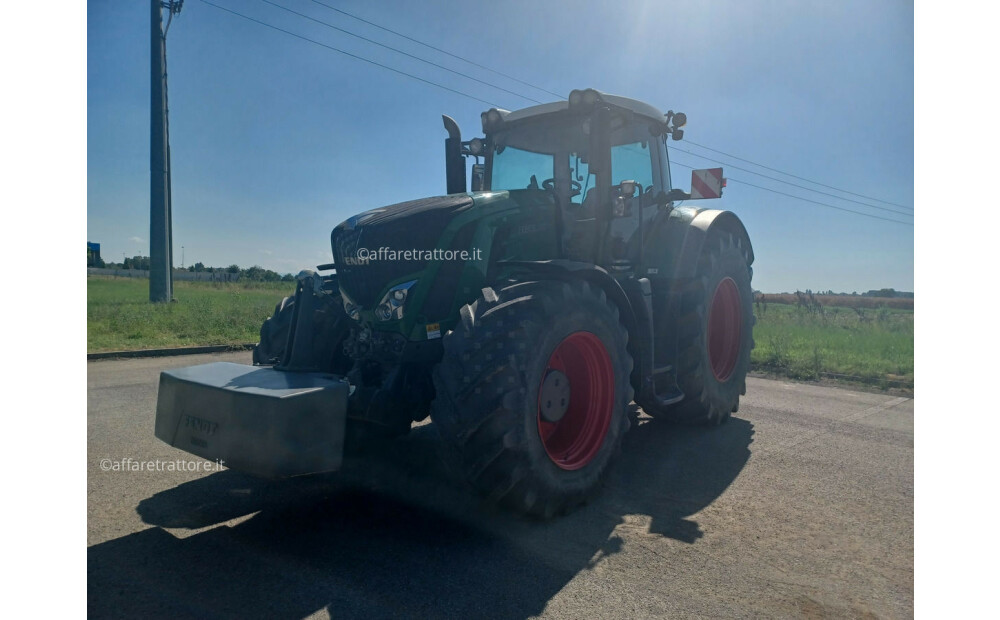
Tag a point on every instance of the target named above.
point(878, 346)
point(120, 317)
point(791, 341)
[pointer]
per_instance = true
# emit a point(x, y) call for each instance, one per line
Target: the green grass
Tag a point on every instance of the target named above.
point(791, 341)
point(795, 342)
point(120, 317)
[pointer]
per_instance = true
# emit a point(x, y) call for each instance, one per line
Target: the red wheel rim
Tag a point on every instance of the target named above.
point(574, 440)
point(725, 329)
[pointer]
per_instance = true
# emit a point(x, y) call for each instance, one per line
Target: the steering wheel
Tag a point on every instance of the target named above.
point(550, 185)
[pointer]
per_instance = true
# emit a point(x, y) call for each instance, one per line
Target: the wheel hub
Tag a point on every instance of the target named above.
point(553, 397)
point(572, 430)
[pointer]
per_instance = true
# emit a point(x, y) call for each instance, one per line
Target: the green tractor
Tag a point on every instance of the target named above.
point(524, 317)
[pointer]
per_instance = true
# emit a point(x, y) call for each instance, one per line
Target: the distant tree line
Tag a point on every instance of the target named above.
point(887, 292)
point(816, 302)
point(883, 293)
point(136, 262)
point(254, 274)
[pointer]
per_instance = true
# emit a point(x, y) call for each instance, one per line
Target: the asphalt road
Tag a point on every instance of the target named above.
point(802, 505)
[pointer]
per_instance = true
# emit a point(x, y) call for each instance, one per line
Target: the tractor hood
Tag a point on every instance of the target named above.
point(412, 225)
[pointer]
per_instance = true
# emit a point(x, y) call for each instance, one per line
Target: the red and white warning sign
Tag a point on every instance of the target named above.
point(707, 183)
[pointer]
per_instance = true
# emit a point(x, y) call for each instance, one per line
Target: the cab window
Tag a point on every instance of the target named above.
point(632, 162)
point(513, 168)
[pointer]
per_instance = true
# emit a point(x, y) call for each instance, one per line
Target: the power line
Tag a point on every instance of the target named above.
point(467, 95)
point(808, 189)
point(798, 177)
point(330, 47)
point(438, 49)
point(545, 90)
point(398, 51)
point(822, 204)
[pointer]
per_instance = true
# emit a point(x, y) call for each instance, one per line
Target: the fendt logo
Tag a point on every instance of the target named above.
point(356, 260)
point(202, 426)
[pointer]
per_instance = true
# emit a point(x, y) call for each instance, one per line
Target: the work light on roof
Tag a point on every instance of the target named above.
point(579, 98)
point(492, 120)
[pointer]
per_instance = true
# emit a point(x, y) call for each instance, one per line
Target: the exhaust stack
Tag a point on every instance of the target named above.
point(454, 162)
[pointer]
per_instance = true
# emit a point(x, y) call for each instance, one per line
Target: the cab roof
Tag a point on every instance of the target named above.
point(638, 107)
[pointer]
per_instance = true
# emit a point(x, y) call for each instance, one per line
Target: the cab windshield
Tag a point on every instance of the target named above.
point(543, 155)
point(553, 154)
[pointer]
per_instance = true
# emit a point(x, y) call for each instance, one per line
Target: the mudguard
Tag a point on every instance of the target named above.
point(598, 276)
point(698, 231)
point(673, 244)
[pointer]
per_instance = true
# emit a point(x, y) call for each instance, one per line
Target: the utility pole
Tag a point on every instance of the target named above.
point(161, 278)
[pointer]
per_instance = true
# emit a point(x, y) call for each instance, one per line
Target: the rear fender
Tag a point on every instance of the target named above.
point(698, 230)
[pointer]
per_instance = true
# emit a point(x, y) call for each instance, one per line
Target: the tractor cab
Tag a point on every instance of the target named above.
point(601, 159)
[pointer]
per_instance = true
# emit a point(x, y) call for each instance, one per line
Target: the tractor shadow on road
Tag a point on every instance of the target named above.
point(398, 534)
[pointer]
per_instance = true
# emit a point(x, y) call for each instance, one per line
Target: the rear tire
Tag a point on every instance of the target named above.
point(714, 335)
point(510, 350)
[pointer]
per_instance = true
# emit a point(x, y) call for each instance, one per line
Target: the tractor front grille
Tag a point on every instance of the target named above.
point(364, 282)
point(414, 225)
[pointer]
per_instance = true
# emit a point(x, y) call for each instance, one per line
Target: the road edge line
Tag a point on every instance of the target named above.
point(169, 352)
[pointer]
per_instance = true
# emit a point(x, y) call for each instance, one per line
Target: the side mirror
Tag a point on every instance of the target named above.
point(622, 206)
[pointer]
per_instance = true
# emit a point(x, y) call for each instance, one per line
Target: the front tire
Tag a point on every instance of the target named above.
point(331, 327)
point(274, 334)
point(520, 437)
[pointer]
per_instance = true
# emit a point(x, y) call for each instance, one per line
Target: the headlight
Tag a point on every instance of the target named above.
point(391, 306)
point(352, 309)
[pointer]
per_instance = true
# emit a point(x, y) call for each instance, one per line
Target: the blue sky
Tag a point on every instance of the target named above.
point(276, 140)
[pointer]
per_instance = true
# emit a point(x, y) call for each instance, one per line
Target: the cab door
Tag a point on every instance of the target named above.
point(637, 161)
